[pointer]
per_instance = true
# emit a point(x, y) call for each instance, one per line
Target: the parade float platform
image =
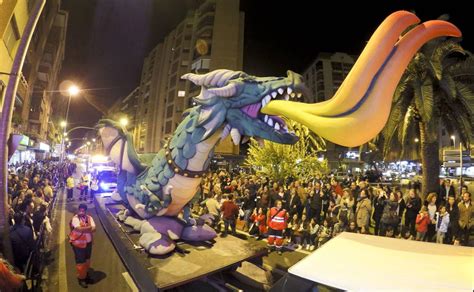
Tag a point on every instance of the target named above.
point(379, 264)
point(190, 262)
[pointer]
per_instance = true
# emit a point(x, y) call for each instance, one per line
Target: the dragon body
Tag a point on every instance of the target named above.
point(242, 106)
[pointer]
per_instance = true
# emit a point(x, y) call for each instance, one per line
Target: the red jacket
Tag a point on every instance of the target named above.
point(229, 210)
point(422, 223)
point(260, 220)
point(277, 219)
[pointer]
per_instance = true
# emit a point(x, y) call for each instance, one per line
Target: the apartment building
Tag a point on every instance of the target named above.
point(209, 38)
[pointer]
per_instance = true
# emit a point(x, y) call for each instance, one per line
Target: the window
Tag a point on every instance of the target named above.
point(12, 35)
point(168, 127)
point(336, 66)
point(169, 111)
point(319, 65)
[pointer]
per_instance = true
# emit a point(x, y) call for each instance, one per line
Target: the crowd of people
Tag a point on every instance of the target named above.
point(308, 213)
point(31, 191)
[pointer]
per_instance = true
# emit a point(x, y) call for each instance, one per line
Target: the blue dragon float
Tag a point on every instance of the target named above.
point(235, 103)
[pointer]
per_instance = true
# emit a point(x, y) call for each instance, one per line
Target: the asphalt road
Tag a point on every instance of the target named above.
point(108, 272)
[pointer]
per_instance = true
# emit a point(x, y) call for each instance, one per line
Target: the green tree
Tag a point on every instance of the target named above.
point(436, 89)
point(279, 161)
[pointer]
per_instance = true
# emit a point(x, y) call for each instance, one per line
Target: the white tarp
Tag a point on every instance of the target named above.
point(372, 263)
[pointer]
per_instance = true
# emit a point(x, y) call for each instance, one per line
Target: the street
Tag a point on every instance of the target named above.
point(108, 272)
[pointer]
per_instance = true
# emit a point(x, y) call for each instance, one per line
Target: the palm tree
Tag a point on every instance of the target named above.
point(436, 89)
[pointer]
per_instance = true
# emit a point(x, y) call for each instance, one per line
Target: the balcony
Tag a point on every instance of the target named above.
point(22, 87)
point(201, 64)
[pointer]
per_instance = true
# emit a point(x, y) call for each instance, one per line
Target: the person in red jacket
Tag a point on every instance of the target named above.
point(422, 221)
point(260, 221)
point(230, 211)
point(277, 219)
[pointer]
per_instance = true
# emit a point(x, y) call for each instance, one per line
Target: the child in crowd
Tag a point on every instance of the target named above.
point(324, 233)
point(422, 221)
point(313, 233)
point(442, 222)
point(259, 220)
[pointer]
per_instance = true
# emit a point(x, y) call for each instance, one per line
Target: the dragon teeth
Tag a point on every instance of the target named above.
point(266, 118)
point(277, 126)
point(274, 94)
point(266, 100)
point(289, 90)
point(270, 122)
point(292, 94)
point(299, 95)
point(286, 97)
point(280, 91)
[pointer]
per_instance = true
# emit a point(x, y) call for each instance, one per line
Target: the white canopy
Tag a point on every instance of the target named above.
point(372, 263)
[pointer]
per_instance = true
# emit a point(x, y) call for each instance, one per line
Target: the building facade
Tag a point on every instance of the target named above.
point(14, 15)
point(38, 81)
point(41, 69)
point(323, 77)
point(127, 108)
point(209, 38)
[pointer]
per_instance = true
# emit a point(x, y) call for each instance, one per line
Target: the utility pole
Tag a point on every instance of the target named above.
point(6, 119)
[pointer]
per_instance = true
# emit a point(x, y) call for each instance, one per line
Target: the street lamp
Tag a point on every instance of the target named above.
point(123, 122)
point(73, 90)
point(417, 140)
point(454, 140)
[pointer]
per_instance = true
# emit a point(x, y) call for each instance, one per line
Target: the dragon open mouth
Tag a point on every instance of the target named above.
point(275, 122)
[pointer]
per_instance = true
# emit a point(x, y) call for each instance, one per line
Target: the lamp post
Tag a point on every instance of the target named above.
point(73, 90)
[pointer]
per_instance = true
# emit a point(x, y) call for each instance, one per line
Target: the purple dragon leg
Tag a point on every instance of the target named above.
point(198, 233)
point(156, 243)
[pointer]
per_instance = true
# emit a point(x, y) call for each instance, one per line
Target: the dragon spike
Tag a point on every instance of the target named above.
point(225, 132)
point(226, 91)
point(235, 134)
point(216, 78)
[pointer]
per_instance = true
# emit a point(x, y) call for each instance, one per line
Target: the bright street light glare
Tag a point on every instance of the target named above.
point(417, 140)
point(124, 122)
point(73, 90)
point(453, 137)
point(88, 143)
point(67, 139)
point(93, 139)
point(63, 124)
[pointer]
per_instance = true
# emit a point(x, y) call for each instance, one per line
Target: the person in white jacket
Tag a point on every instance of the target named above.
point(442, 222)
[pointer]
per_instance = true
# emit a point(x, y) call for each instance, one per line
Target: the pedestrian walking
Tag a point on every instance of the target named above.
point(84, 187)
point(82, 227)
point(70, 187)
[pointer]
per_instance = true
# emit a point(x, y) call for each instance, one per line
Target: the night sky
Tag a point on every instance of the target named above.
point(107, 40)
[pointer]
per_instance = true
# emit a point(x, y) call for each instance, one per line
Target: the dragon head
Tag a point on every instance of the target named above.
point(233, 100)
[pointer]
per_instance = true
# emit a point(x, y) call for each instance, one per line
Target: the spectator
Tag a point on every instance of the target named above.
point(230, 211)
point(390, 214)
point(9, 279)
point(295, 202)
point(446, 190)
point(453, 226)
point(466, 218)
point(422, 221)
point(259, 220)
point(442, 222)
point(412, 209)
point(378, 203)
point(22, 240)
point(363, 211)
point(431, 205)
